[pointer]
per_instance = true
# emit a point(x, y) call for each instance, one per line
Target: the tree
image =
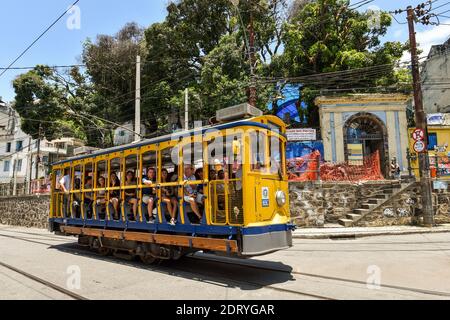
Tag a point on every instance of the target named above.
point(326, 36)
point(111, 67)
point(43, 100)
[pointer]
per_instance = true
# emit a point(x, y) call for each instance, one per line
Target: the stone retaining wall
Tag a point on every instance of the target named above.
point(313, 204)
point(25, 211)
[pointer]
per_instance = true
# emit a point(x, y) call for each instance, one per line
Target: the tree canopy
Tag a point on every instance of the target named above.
point(203, 45)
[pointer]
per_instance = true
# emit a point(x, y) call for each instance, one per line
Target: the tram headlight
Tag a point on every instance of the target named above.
point(281, 198)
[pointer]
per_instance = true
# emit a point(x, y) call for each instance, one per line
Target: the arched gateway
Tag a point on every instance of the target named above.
point(364, 135)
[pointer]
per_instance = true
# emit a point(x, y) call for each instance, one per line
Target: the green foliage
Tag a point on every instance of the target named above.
point(327, 36)
point(203, 45)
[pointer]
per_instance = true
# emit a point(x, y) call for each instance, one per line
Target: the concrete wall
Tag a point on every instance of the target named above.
point(25, 211)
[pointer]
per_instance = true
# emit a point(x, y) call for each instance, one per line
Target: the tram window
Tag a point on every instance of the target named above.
point(87, 182)
point(116, 168)
point(102, 171)
point(193, 155)
point(131, 165)
point(258, 150)
point(77, 178)
point(88, 185)
point(149, 160)
point(76, 201)
point(276, 155)
point(170, 161)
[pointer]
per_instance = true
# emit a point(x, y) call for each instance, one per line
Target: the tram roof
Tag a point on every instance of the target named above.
point(246, 122)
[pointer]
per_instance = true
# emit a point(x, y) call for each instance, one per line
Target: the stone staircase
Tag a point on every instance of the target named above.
point(374, 201)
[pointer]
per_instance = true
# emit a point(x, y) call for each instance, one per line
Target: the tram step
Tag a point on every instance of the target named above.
point(346, 222)
point(353, 216)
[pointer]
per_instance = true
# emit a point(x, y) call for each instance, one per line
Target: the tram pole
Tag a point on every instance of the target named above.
point(421, 123)
point(137, 122)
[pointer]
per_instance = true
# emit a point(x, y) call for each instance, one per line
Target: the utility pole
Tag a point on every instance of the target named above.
point(186, 109)
point(421, 123)
point(137, 122)
point(14, 177)
point(30, 166)
point(38, 156)
point(252, 57)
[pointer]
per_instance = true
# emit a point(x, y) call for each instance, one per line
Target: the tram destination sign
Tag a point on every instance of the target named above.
point(304, 134)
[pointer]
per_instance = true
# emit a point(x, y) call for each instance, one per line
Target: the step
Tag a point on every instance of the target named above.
point(380, 196)
point(368, 205)
point(346, 222)
point(353, 216)
point(371, 201)
point(360, 211)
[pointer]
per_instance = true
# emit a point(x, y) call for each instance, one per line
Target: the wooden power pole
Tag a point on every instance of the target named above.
point(421, 123)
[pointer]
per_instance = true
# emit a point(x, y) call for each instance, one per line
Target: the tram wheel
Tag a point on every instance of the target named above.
point(104, 251)
point(148, 259)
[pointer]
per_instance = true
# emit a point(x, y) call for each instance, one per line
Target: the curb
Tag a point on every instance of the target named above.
point(362, 234)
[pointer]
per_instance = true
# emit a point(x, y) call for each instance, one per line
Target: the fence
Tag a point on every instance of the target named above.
point(40, 186)
point(312, 168)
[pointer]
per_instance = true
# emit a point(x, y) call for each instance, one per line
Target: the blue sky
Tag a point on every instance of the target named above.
point(23, 20)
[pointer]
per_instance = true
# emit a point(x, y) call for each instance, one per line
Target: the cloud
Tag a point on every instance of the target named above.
point(436, 35)
point(430, 37)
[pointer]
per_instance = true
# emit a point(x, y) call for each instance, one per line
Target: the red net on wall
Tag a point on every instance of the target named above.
point(369, 170)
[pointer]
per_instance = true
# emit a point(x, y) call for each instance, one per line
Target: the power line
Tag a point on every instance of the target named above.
point(38, 38)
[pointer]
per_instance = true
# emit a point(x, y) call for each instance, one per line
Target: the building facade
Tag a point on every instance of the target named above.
point(435, 76)
point(23, 159)
point(356, 126)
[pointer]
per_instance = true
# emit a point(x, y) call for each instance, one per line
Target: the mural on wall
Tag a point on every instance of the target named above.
point(299, 155)
point(288, 103)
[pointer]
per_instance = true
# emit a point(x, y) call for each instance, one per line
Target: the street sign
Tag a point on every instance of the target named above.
point(305, 134)
point(418, 135)
point(419, 146)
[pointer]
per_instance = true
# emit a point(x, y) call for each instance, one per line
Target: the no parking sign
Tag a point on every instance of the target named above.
point(418, 135)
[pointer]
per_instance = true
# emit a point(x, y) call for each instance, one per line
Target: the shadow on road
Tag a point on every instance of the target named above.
point(221, 271)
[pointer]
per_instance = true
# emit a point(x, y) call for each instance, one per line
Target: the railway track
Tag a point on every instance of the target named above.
point(176, 265)
point(211, 262)
point(46, 283)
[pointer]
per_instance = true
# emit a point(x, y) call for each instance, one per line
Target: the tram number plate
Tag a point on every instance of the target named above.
point(265, 197)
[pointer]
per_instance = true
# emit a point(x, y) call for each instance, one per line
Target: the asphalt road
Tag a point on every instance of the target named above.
point(382, 267)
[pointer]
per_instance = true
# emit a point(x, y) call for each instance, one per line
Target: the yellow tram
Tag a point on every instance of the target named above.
point(145, 199)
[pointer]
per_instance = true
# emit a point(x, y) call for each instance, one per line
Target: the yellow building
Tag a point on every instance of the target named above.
point(438, 148)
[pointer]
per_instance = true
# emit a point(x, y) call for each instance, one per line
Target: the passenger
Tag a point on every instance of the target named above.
point(200, 191)
point(130, 194)
point(190, 195)
point(149, 194)
point(88, 196)
point(168, 197)
point(101, 194)
point(76, 198)
point(64, 184)
point(114, 195)
point(212, 175)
